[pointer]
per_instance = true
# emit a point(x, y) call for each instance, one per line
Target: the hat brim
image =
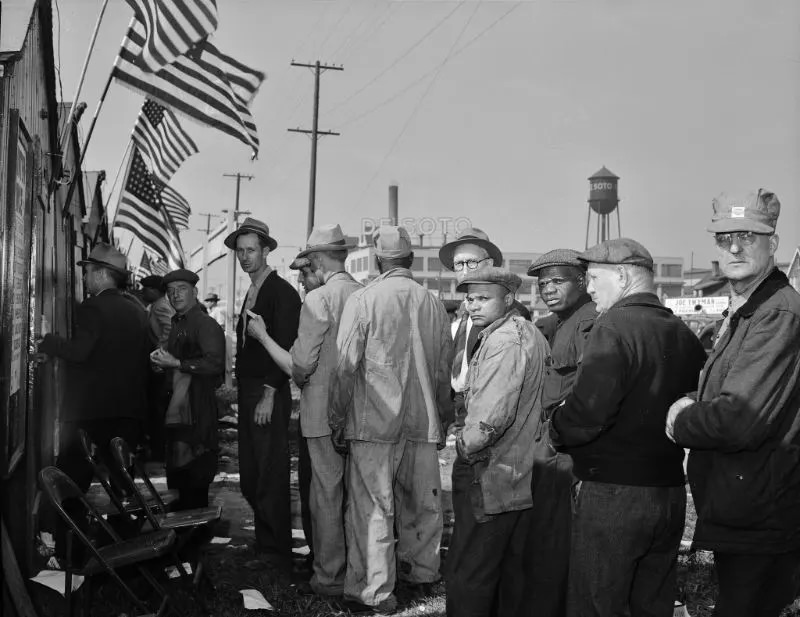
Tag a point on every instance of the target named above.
point(448, 251)
point(464, 285)
point(324, 247)
point(102, 264)
point(724, 226)
point(230, 240)
point(533, 271)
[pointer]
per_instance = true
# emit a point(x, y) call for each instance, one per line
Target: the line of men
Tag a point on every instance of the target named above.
point(568, 489)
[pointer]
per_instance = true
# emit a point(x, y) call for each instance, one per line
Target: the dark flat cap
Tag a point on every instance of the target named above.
point(618, 251)
point(181, 274)
point(558, 257)
point(154, 281)
point(251, 226)
point(491, 275)
point(299, 262)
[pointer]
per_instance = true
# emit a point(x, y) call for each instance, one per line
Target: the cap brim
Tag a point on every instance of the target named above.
point(728, 225)
point(325, 247)
point(462, 286)
point(230, 240)
point(448, 251)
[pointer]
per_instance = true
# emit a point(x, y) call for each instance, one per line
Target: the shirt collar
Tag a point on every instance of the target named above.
point(259, 280)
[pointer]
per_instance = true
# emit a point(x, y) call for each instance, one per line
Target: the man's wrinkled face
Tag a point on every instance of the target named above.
point(469, 257)
point(561, 287)
point(487, 302)
point(252, 257)
point(745, 257)
point(605, 284)
point(308, 279)
point(182, 296)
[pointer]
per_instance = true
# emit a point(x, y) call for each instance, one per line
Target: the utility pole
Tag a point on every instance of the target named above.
point(315, 135)
point(208, 216)
point(230, 300)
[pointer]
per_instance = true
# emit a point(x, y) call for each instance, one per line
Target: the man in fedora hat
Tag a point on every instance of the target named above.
point(263, 391)
point(217, 313)
point(470, 251)
point(492, 482)
point(194, 357)
point(743, 424)
point(389, 395)
point(630, 500)
point(106, 365)
point(313, 362)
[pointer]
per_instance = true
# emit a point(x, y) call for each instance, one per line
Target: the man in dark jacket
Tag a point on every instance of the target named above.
point(195, 359)
point(630, 503)
point(562, 287)
point(265, 400)
point(106, 366)
point(743, 425)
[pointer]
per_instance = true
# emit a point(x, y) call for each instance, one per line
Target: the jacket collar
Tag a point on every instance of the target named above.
point(498, 322)
point(640, 299)
point(774, 282)
point(393, 273)
point(196, 308)
point(582, 301)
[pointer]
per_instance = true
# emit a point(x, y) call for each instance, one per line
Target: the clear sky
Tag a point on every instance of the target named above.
point(494, 110)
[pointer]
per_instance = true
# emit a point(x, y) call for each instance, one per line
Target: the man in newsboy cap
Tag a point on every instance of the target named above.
point(630, 499)
point(194, 358)
point(743, 424)
point(390, 393)
point(265, 400)
point(562, 287)
point(492, 475)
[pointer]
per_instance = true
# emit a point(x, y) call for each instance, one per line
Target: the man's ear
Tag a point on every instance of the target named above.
point(509, 299)
point(774, 241)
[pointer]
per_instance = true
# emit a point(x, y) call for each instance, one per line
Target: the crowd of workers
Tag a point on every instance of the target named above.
point(568, 489)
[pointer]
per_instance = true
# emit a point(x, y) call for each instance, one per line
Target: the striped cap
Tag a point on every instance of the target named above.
point(558, 257)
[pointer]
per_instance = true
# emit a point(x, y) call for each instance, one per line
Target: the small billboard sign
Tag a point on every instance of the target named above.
point(711, 305)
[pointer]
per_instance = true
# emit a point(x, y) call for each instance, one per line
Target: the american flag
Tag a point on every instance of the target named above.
point(176, 205)
point(172, 28)
point(143, 269)
point(204, 85)
point(140, 212)
point(161, 140)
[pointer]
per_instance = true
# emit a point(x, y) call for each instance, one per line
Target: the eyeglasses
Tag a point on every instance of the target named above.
point(471, 264)
point(556, 281)
point(742, 238)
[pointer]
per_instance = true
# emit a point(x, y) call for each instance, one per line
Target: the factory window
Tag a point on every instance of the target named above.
point(363, 263)
point(520, 266)
point(418, 265)
point(434, 265)
point(671, 270)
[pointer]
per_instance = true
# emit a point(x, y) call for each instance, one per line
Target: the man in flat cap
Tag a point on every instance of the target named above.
point(106, 366)
point(491, 492)
point(743, 424)
point(215, 311)
point(562, 287)
point(265, 400)
point(389, 395)
point(470, 251)
point(194, 358)
point(630, 502)
point(305, 276)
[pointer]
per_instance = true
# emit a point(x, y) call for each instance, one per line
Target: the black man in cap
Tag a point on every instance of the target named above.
point(195, 360)
point(562, 287)
point(492, 475)
point(630, 501)
point(265, 400)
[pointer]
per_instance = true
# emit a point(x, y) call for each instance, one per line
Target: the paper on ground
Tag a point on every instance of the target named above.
point(218, 540)
point(301, 550)
point(56, 580)
point(172, 571)
point(298, 534)
point(254, 600)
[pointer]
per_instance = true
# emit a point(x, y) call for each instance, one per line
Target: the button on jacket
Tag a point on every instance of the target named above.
point(314, 352)
point(503, 401)
point(393, 375)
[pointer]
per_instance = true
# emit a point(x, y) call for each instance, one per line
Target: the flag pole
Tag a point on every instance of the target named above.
point(65, 132)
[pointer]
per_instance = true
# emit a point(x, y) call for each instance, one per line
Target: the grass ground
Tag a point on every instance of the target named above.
point(233, 567)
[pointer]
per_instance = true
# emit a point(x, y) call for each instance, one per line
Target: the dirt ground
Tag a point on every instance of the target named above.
point(232, 567)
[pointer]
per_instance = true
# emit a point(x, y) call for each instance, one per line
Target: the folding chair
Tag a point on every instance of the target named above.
point(183, 519)
point(107, 558)
point(123, 504)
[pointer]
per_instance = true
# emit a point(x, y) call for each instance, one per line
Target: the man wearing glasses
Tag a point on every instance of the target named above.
point(562, 287)
point(743, 425)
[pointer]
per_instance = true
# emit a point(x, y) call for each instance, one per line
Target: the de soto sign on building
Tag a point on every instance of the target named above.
point(444, 226)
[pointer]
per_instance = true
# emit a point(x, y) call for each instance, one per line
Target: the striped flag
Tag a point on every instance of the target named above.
point(205, 85)
point(176, 205)
point(161, 140)
point(140, 212)
point(171, 28)
point(159, 267)
point(143, 269)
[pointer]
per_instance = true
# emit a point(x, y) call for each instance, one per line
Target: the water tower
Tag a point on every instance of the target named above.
point(603, 201)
